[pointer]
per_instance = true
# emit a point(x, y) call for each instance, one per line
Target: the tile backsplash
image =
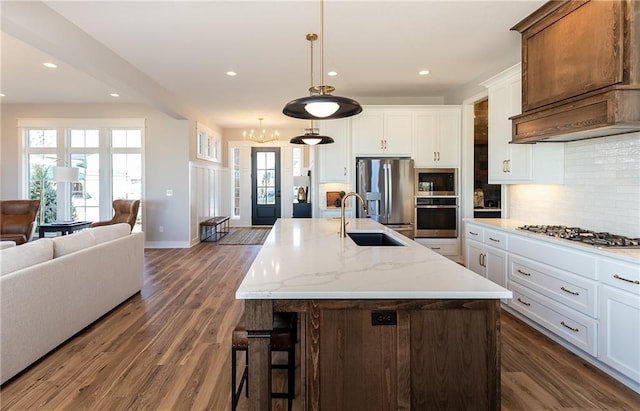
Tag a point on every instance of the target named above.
point(601, 190)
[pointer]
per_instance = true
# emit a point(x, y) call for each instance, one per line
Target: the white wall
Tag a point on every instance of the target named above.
point(166, 166)
point(601, 190)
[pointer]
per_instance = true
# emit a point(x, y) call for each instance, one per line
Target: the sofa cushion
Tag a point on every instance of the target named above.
point(25, 255)
point(110, 232)
point(68, 244)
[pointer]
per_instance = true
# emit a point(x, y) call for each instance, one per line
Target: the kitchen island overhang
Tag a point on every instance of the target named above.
point(442, 351)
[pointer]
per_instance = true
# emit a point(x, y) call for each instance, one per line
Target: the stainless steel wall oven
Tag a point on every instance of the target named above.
point(436, 217)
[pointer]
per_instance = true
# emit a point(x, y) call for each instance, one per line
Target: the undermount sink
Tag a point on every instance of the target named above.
point(378, 239)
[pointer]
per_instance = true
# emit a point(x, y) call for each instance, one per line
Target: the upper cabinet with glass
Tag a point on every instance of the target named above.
point(208, 144)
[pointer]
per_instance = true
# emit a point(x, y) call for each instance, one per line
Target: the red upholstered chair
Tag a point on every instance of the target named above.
point(125, 211)
point(17, 218)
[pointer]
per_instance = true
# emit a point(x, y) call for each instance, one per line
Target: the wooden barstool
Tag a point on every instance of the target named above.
point(283, 339)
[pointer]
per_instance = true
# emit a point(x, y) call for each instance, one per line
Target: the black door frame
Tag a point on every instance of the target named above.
point(265, 214)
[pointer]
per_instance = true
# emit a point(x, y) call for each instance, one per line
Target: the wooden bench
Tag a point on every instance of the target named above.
point(214, 228)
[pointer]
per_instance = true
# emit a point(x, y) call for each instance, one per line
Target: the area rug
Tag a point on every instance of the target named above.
point(245, 236)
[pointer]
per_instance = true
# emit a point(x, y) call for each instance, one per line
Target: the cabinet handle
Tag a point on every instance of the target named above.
point(569, 291)
point(345, 171)
point(381, 144)
point(435, 158)
point(472, 233)
point(522, 302)
point(569, 327)
point(385, 144)
point(504, 166)
point(480, 259)
point(524, 273)
point(493, 239)
point(438, 156)
point(616, 276)
point(484, 260)
point(435, 248)
point(508, 166)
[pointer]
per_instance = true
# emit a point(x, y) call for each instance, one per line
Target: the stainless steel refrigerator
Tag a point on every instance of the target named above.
point(387, 186)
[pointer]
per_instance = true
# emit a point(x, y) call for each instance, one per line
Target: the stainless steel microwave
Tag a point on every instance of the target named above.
point(436, 182)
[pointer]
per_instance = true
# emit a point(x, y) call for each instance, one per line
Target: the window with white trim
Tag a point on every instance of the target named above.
point(109, 158)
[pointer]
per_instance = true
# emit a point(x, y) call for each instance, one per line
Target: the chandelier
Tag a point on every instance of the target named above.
point(320, 104)
point(262, 136)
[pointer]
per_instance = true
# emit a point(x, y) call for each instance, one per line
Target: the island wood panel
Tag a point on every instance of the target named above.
point(259, 321)
point(455, 358)
point(445, 352)
point(358, 362)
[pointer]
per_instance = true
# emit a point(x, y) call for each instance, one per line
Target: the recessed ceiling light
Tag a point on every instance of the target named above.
point(423, 72)
point(231, 73)
point(332, 73)
point(114, 95)
point(49, 65)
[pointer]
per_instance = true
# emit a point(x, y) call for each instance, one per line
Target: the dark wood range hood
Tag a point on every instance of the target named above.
point(580, 71)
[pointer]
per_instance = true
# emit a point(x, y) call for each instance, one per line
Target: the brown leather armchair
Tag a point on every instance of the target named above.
point(17, 218)
point(125, 211)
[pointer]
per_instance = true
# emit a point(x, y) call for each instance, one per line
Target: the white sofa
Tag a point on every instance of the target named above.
point(52, 288)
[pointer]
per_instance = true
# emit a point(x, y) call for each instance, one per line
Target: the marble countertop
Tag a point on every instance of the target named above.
point(306, 259)
point(505, 224)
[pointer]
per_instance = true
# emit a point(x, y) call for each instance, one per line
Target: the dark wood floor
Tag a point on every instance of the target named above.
point(168, 348)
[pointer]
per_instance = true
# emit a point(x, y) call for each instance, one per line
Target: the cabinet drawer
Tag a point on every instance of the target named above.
point(620, 275)
point(558, 256)
point(443, 247)
point(495, 239)
point(474, 232)
point(571, 290)
point(576, 328)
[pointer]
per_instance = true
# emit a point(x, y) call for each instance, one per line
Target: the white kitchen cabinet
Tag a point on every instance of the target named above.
point(574, 327)
point(620, 331)
point(333, 160)
point(382, 131)
point(588, 302)
point(436, 137)
point(619, 315)
point(517, 163)
point(485, 253)
point(448, 247)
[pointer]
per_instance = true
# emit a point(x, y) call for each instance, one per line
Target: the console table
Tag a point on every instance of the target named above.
point(63, 227)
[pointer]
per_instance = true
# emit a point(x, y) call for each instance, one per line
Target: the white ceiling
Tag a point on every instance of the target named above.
point(174, 54)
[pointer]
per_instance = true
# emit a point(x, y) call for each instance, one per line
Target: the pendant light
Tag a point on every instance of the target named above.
point(320, 104)
point(311, 137)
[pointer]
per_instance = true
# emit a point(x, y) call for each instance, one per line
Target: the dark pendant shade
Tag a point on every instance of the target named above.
point(296, 108)
point(300, 139)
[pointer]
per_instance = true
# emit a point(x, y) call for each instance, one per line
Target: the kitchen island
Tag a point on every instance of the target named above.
point(435, 342)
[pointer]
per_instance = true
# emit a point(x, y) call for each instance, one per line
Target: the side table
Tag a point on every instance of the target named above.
point(65, 228)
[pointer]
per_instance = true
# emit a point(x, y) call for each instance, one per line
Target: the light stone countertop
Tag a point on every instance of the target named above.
point(305, 258)
point(631, 255)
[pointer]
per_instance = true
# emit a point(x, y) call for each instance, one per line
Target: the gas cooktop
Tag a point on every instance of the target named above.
point(584, 236)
